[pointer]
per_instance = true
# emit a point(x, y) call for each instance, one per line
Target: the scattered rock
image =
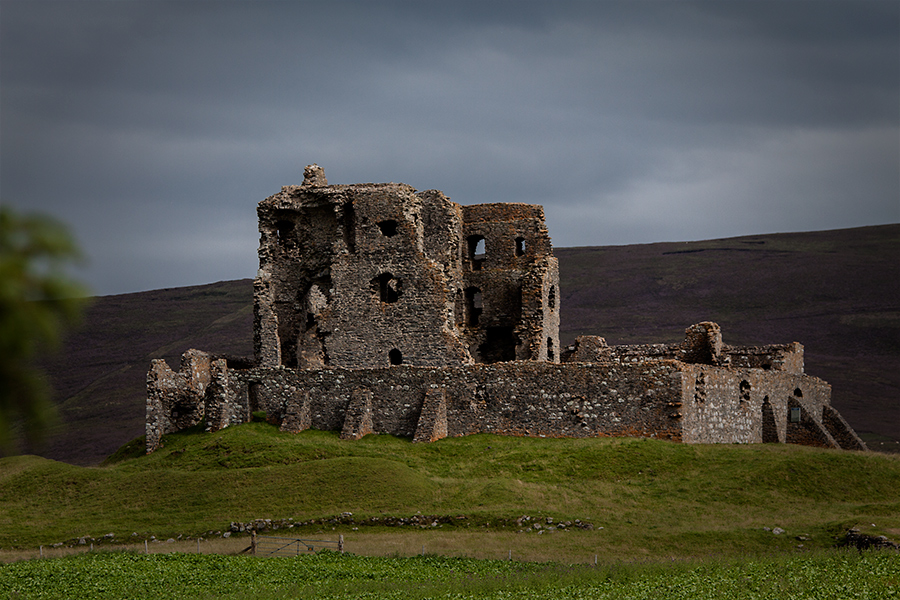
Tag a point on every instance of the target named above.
point(777, 530)
point(863, 541)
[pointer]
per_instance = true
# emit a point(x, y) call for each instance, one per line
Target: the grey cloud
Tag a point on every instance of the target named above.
point(630, 122)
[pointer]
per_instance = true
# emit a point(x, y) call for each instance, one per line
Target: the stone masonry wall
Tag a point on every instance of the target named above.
point(726, 405)
point(519, 398)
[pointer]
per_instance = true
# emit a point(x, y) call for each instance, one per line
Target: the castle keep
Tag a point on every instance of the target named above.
point(380, 309)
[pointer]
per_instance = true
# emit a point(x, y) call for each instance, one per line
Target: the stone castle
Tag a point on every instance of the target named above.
point(380, 309)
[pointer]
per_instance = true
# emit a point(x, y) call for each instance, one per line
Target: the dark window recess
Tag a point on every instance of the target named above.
point(388, 288)
point(396, 357)
point(284, 231)
point(550, 354)
point(700, 388)
point(551, 297)
point(745, 391)
point(520, 246)
point(476, 251)
point(798, 393)
point(388, 228)
point(499, 345)
point(474, 306)
point(769, 429)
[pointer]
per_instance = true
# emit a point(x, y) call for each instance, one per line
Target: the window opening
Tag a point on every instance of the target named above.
point(254, 400)
point(388, 228)
point(700, 388)
point(387, 287)
point(474, 306)
point(396, 357)
point(476, 251)
point(795, 414)
point(520, 246)
point(283, 231)
point(551, 297)
point(499, 345)
point(745, 391)
point(798, 393)
point(550, 354)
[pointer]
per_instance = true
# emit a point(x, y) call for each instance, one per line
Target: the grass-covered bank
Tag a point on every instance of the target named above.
point(112, 575)
point(644, 498)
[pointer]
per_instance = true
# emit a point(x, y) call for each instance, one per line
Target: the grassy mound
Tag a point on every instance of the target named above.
point(641, 497)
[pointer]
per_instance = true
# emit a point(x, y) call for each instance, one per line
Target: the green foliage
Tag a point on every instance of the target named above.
point(832, 575)
point(37, 299)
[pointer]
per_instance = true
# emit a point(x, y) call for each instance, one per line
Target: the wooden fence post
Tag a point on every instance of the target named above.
point(253, 542)
point(341, 543)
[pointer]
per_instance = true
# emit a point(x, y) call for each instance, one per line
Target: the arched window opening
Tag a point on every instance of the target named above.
point(520, 246)
point(474, 306)
point(388, 288)
point(798, 393)
point(477, 251)
point(395, 357)
point(388, 228)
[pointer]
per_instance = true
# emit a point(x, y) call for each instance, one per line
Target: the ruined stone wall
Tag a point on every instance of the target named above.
point(358, 276)
point(510, 303)
point(520, 398)
point(381, 309)
point(727, 405)
point(175, 399)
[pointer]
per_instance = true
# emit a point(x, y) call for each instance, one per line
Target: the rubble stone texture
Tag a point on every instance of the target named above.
point(380, 309)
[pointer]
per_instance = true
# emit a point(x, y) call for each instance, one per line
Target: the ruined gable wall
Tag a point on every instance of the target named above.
point(302, 230)
point(726, 405)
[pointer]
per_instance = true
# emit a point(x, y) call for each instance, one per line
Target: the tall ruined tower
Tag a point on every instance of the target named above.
point(370, 275)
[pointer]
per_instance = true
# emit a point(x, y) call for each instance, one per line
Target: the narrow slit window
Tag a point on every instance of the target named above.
point(474, 306)
point(520, 246)
point(477, 251)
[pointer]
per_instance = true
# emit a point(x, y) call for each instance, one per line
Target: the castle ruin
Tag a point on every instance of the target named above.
point(380, 309)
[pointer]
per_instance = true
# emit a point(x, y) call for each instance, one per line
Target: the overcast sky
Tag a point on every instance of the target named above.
point(154, 128)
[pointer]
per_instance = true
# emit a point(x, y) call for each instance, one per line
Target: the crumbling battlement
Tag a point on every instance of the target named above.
point(381, 309)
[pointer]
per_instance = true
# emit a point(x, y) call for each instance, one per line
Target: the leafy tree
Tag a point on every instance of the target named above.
point(37, 300)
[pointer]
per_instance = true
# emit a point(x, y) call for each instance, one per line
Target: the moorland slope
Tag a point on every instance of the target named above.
point(837, 292)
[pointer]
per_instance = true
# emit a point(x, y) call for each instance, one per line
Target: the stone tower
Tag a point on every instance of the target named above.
point(370, 275)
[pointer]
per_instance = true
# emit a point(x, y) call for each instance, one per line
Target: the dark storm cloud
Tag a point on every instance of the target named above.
point(155, 127)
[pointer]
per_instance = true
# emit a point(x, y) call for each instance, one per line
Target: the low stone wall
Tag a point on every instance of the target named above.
point(525, 398)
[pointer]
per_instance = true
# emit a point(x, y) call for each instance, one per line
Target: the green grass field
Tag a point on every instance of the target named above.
point(644, 498)
point(106, 575)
